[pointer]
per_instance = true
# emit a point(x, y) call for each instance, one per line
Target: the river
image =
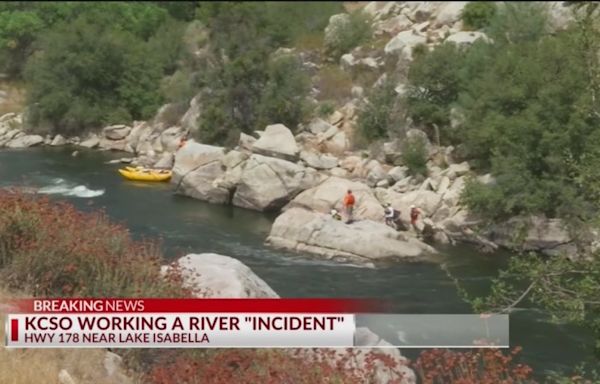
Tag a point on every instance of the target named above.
point(186, 225)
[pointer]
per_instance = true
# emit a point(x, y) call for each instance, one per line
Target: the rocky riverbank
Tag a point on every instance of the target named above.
point(303, 172)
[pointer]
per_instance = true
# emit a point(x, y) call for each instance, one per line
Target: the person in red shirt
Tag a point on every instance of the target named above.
point(349, 205)
point(414, 216)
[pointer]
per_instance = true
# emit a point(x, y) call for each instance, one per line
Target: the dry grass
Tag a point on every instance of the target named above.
point(334, 84)
point(42, 366)
point(15, 97)
point(352, 6)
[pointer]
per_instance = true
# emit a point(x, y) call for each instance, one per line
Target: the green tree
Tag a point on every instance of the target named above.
point(380, 115)
point(88, 74)
point(478, 14)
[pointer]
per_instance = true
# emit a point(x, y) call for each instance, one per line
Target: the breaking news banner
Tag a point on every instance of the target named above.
point(240, 323)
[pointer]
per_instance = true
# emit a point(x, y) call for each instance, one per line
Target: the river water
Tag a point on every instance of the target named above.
point(186, 225)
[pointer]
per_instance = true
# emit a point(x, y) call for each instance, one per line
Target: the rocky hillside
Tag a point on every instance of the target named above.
point(304, 174)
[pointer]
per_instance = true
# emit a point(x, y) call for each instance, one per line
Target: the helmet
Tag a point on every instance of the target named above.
point(412, 206)
point(333, 211)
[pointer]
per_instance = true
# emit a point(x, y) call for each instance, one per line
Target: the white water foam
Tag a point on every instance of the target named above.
point(62, 187)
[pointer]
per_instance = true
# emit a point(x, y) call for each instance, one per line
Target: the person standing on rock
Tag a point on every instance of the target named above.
point(349, 206)
point(414, 216)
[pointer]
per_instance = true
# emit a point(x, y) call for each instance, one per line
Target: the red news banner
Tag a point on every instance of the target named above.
point(183, 323)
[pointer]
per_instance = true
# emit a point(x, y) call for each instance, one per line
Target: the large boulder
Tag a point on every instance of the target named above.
point(268, 183)
point(200, 183)
point(318, 160)
point(449, 13)
point(189, 121)
point(277, 141)
point(466, 37)
point(403, 43)
point(25, 141)
point(170, 139)
point(218, 276)
point(116, 132)
point(362, 241)
point(92, 141)
point(58, 141)
point(427, 201)
point(329, 195)
point(535, 233)
point(194, 155)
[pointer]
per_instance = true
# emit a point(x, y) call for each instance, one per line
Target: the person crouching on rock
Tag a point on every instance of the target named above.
point(336, 215)
point(414, 216)
point(349, 206)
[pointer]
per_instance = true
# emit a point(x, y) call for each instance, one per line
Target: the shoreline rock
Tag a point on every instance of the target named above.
point(362, 241)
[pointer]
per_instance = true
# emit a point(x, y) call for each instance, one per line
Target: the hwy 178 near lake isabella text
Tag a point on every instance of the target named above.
point(178, 330)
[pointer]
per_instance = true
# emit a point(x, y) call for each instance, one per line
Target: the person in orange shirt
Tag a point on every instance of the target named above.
point(414, 216)
point(349, 205)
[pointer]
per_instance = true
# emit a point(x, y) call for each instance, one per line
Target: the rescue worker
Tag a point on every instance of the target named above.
point(390, 215)
point(414, 216)
point(349, 206)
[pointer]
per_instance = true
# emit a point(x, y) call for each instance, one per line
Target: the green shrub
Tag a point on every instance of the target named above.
point(325, 109)
point(284, 96)
point(414, 155)
point(347, 34)
point(478, 14)
point(380, 114)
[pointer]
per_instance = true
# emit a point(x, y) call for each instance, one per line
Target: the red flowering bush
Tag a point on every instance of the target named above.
point(485, 366)
point(51, 249)
point(269, 366)
point(479, 366)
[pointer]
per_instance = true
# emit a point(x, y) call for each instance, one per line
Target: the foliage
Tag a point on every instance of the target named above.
point(568, 289)
point(414, 155)
point(277, 366)
point(379, 115)
point(434, 85)
point(243, 92)
point(333, 83)
point(92, 71)
point(481, 366)
point(478, 14)
point(284, 95)
point(348, 33)
point(51, 249)
point(325, 109)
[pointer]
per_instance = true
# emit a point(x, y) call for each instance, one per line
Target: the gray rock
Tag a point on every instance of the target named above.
point(25, 141)
point(277, 141)
point(58, 140)
point(319, 126)
point(170, 139)
point(218, 276)
point(535, 233)
point(364, 241)
point(466, 38)
point(200, 183)
point(329, 195)
point(165, 161)
point(338, 144)
point(449, 13)
point(403, 43)
point(318, 160)
point(91, 142)
point(269, 183)
point(189, 121)
point(193, 156)
point(116, 132)
point(246, 141)
point(398, 173)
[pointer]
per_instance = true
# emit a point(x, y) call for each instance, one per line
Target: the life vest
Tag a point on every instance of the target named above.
point(349, 199)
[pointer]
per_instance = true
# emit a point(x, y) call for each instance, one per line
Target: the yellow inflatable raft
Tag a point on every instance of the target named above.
point(143, 174)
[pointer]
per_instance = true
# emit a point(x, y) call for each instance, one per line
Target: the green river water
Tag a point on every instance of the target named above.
point(187, 225)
